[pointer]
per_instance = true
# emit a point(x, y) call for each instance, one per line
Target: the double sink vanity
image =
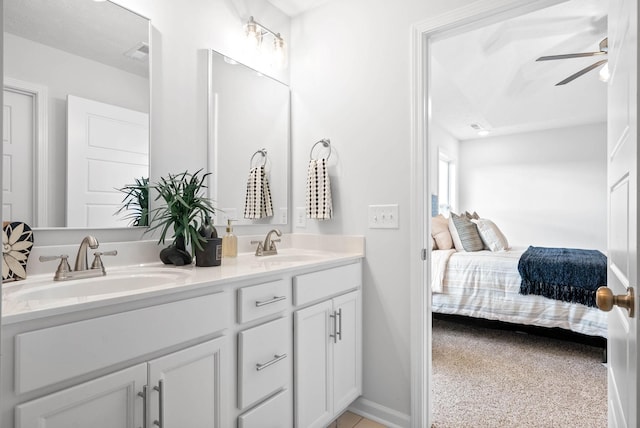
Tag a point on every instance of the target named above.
point(272, 341)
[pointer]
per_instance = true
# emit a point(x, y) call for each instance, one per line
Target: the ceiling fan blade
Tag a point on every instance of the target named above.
point(581, 72)
point(567, 56)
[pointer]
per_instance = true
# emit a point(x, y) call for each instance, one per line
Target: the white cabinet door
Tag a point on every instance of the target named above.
point(186, 387)
point(111, 401)
point(347, 351)
point(312, 365)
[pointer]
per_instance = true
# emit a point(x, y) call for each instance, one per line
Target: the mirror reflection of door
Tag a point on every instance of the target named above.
point(17, 159)
point(107, 148)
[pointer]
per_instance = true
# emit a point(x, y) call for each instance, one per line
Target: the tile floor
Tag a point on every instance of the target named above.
point(351, 420)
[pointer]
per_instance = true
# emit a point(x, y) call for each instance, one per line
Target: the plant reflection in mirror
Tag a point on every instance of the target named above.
point(136, 202)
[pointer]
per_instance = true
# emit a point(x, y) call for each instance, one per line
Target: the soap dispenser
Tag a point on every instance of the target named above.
point(229, 242)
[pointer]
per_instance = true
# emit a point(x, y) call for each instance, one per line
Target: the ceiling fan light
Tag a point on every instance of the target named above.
point(605, 74)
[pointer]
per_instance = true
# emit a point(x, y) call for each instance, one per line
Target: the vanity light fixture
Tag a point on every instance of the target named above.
point(255, 33)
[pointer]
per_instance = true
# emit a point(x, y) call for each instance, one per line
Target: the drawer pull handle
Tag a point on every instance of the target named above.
point(268, 302)
point(276, 358)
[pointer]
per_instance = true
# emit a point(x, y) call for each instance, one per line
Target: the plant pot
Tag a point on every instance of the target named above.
point(211, 253)
point(176, 253)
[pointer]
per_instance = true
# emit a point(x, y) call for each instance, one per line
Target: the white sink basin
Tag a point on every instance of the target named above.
point(119, 282)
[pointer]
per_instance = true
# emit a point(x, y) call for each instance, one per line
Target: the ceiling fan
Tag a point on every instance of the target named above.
point(604, 48)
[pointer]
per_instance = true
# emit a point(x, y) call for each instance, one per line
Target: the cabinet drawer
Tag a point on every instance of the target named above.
point(323, 284)
point(273, 413)
point(44, 357)
point(264, 360)
point(261, 300)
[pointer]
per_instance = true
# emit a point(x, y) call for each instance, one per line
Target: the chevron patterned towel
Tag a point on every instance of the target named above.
point(319, 204)
point(258, 198)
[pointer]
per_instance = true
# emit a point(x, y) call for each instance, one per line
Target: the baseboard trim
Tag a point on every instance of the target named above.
point(381, 414)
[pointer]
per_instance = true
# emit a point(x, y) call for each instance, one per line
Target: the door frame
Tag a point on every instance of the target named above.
point(477, 14)
point(40, 96)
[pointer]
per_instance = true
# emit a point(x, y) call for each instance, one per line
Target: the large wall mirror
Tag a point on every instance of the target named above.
point(76, 111)
point(249, 129)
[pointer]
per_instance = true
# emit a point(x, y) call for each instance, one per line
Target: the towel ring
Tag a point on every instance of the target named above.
point(262, 152)
point(325, 143)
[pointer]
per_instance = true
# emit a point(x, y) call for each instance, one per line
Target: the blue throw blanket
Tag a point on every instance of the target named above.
point(566, 274)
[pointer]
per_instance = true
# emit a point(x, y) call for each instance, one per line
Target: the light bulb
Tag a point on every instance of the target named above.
point(604, 73)
point(279, 52)
point(253, 33)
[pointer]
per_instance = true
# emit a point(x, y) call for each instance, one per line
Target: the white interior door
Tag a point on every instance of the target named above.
point(17, 157)
point(107, 148)
point(623, 210)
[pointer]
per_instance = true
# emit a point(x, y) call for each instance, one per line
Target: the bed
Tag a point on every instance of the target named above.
point(486, 284)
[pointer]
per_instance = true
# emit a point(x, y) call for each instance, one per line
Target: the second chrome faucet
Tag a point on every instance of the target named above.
point(268, 247)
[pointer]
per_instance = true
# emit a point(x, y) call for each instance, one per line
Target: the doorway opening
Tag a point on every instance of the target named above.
point(426, 37)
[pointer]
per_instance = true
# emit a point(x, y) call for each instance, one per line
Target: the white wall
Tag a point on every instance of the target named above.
point(350, 75)
point(541, 188)
point(67, 74)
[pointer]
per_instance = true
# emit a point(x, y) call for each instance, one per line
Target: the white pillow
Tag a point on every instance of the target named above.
point(492, 237)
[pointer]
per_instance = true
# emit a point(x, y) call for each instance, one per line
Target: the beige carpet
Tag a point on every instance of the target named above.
point(495, 378)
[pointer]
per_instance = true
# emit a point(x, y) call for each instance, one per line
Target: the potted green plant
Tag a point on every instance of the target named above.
point(185, 209)
point(136, 202)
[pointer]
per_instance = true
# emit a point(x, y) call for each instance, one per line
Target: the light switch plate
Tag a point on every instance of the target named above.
point(301, 217)
point(383, 216)
point(223, 214)
point(282, 216)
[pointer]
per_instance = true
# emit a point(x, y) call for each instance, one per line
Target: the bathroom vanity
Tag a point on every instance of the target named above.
point(262, 342)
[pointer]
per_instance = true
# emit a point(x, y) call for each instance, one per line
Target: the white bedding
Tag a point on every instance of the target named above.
point(486, 284)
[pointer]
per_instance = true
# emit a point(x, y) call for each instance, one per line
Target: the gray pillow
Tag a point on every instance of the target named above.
point(467, 233)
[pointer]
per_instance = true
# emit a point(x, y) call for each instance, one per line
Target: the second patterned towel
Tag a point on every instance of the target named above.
point(319, 204)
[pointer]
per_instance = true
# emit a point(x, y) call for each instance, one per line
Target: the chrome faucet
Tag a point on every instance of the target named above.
point(81, 259)
point(81, 269)
point(268, 247)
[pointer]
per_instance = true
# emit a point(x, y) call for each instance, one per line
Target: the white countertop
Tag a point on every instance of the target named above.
point(19, 303)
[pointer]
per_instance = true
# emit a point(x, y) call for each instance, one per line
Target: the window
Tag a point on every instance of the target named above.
point(446, 184)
